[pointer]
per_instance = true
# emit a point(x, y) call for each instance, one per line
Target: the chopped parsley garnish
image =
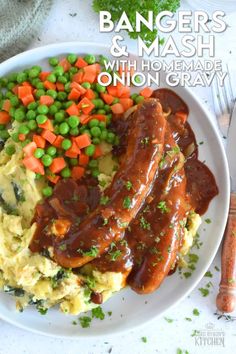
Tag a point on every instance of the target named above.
point(195, 333)
point(105, 221)
point(208, 274)
point(187, 274)
point(196, 312)
point(63, 247)
point(217, 268)
point(59, 277)
point(208, 221)
point(231, 281)
point(188, 319)
point(144, 224)
point(109, 313)
point(181, 351)
point(169, 320)
point(175, 150)
point(144, 339)
point(42, 310)
point(127, 203)
point(162, 162)
point(162, 206)
point(98, 313)
point(145, 141)
point(204, 292)
point(93, 252)
point(129, 185)
point(104, 200)
point(114, 255)
point(124, 243)
point(91, 282)
point(74, 323)
point(85, 321)
point(193, 258)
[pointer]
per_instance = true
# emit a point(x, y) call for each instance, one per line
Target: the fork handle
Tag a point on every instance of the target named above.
point(226, 298)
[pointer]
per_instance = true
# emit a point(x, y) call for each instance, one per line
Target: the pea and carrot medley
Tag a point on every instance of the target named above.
point(61, 116)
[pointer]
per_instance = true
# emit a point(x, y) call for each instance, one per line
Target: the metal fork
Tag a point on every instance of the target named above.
point(224, 100)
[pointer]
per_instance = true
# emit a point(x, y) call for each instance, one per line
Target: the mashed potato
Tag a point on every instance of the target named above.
point(34, 279)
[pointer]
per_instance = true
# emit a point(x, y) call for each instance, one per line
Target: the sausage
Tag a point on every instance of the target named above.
point(127, 193)
point(161, 254)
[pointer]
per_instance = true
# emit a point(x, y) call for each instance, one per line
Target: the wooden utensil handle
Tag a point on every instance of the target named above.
point(226, 298)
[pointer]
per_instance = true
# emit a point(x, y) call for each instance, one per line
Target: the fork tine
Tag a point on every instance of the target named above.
point(217, 98)
point(232, 98)
point(223, 97)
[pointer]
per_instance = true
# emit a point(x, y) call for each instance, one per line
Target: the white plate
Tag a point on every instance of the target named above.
point(130, 310)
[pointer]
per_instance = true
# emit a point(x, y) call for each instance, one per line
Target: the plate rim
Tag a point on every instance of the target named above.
point(210, 118)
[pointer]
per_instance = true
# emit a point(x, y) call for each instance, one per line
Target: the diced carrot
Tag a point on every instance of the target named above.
point(39, 141)
point(6, 105)
point(53, 178)
point(85, 105)
point(30, 148)
point(57, 165)
point(77, 172)
point(117, 108)
point(97, 152)
point(146, 92)
point(100, 117)
point(89, 94)
point(60, 86)
point(123, 91)
point(49, 85)
point(78, 77)
point(74, 95)
point(83, 141)
point(47, 125)
point(90, 73)
point(126, 103)
point(83, 159)
point(84, 119)
point(27, 83)
point(33, 164)
point(182, 116)
point(78, 87)
point(4, 117)
point(57, 143)
point(81, 63)
point(73, 151)
point(107, 98)
point(47, 100)
point(43, 75)
point(112, 90)
point(15, 89)
point(22, 137)
point(49, 136)
point(65, 64)
point(27, 99)
point(73, 110)
point(24, 91)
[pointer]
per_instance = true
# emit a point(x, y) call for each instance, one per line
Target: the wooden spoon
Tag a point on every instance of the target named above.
point(226, 298)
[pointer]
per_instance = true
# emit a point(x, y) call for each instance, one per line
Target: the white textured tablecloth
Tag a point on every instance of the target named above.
point(73, 20)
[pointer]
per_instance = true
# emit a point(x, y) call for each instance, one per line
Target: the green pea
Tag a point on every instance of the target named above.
point(32, 125)
point(86, 85)
point(30, 115)
point(95, 131)
point(12, 77)
point(39, 85)
point(53, 61)
point(33, 73)
point(62, 96)
point(96, 141)
point(47, 160)
point(110, 137)
point(19, 115)
point(74, 131)
point(101, 111)
point(12, 112)
point(103, 135)
point(102, 125)
point(67, 87)
point(90, 59)
point(25, 142)
point(107, 108)
point(67, 104)
point(35, 81)
point(41, 119)
point(21, 77)
point(15, 137)
point(59, 116)
point(116, 141)
point(51, 151)
point(37, 67)
point(116, 100)
point(53, 110)
point(62, 79)
point(32, 105)
point(66, 173)
point(89, 150)
point(4, 134)
point(14, 101)
point(64, 128)
point(100, 88)
point(139, 99)
point(93, 123)
point(95, 173)
point(23, 129)
point(73, 121)
point(72, 58)
point(40, 93)
point(66, 144)
point(73, 162)
point(47, 191)
point(52, 93)
point(58, 70)
point(103, 60)
point(58, 104)
point(56, 129)
point(86, 131)
point(52, 78)
point(39, 153)
point(98, 103)
point(10, 149)
point(42, 109)
point(73, 71)
point(9, 94)
point(38, 176)
point(93, 163)
point(3, 81)
point(2, 126)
